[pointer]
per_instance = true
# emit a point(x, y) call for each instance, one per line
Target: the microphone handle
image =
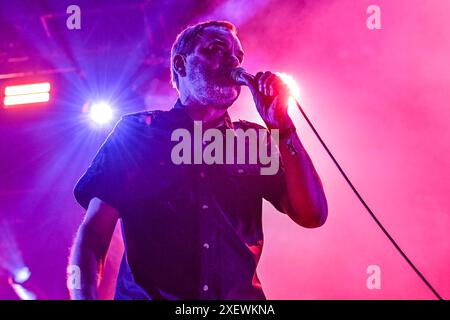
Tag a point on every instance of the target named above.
point(247, 78)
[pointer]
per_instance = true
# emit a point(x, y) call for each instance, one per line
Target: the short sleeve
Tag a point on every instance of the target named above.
point(275, 188)
point(274, 185)
point(106, 176)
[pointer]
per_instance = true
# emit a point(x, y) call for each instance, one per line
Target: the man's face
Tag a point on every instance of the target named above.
point(216, 53)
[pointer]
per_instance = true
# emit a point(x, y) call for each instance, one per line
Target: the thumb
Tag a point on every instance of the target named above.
point(252, 84)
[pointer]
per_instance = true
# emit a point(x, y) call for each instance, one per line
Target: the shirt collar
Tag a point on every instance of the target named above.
point(180, 111)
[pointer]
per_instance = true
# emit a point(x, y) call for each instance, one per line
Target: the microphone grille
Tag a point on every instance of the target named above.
point(236, 75)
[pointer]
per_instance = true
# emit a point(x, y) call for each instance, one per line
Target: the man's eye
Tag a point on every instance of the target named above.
point(217, 49)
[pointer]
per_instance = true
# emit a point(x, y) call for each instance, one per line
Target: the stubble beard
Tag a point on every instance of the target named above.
point(209, 92)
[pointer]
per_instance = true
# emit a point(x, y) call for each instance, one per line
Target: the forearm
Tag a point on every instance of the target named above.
point(306, 197)
point(84, 256)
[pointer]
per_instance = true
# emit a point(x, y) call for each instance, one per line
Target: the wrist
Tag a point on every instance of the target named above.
point(287, 132)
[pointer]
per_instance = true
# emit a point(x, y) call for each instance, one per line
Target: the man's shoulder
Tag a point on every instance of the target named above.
point(244, 124)
point(137, 123)
point(146, 117)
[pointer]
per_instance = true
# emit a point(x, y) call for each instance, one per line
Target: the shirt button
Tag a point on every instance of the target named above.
point(202, 174)
point(205, 287)
point(240, 170)
point(206, 245)
point(205, 206)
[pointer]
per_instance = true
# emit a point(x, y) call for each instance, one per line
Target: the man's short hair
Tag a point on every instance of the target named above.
point(187, 39)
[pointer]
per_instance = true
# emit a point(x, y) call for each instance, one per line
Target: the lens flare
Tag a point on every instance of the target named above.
point(22, 292)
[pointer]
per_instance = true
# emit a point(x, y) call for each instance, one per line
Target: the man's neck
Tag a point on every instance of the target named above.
point(210, 116)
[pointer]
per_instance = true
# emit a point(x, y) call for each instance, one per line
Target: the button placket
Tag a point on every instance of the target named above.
point(205, 227)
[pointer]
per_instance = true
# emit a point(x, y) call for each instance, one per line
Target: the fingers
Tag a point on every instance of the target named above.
point(272, 84)
point(254, 87)
point(262, 83)
point(269, 84)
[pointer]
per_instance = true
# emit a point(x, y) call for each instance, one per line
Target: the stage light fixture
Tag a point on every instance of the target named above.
point(293, 87)
point(101, 113)
point(24, 94)
point(21, 275)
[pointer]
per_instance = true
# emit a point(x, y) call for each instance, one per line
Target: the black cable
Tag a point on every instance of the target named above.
point(365, 205)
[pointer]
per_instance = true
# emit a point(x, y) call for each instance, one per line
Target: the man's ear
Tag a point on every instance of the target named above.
point(179, 65)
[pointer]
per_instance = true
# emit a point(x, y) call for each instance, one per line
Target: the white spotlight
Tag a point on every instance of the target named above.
point(101, 113)
point(22, 275)
point(293, 86)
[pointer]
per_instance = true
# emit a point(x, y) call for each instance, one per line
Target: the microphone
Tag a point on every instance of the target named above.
point(241, 77)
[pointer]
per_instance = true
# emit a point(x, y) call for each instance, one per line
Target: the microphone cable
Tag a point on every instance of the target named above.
point(364, 203)
point(243, 78)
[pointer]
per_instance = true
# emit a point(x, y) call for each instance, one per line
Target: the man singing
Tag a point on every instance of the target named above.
point(193, 230)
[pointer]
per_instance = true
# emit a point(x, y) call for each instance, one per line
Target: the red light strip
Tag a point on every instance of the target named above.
point(26, 94)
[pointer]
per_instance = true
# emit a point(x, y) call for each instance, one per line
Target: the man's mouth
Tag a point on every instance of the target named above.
point(225, 75)
point(227, 81)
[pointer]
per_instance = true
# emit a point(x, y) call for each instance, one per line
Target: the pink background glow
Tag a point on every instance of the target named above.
point(380, 100)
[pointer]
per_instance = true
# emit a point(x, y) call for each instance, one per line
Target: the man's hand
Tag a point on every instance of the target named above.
point(271, 95)
point(305, 201)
